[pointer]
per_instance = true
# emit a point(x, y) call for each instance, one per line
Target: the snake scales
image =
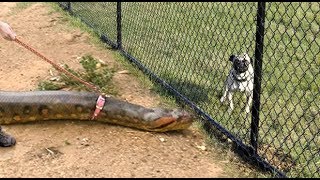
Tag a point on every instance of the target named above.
point(20, 107)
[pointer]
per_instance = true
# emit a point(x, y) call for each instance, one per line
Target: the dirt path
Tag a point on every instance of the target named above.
point(86, 149)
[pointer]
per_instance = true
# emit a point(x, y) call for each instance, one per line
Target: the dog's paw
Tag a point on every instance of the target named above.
point(247, 110)
point(222, 100)
point(230, 110)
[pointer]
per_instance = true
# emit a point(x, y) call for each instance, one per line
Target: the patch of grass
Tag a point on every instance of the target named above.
point(106, 10)
point(23, 5)
point(145, 81)
point(66, 142)
point(71, 22)
point(20, 6)
point(94, 72)
point(234, 165)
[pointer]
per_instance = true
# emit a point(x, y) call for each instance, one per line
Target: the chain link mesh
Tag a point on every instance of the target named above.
point(188, 44)
point(104, 13)
point(289, 126)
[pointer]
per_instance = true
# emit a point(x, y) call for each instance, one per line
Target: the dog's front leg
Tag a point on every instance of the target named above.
point(230, 94)
point(224, 95)
point(249, 101)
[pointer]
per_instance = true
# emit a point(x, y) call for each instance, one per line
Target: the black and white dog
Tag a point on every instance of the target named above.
point(240, 78)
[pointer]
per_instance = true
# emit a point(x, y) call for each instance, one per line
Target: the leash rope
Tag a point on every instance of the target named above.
point(101, 99)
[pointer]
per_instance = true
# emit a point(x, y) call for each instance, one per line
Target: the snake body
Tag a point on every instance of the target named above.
point(21, 107)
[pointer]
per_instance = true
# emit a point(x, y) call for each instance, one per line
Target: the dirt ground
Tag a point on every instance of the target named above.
point(87, 149)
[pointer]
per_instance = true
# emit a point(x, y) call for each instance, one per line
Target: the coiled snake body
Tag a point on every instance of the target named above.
point(19, 107)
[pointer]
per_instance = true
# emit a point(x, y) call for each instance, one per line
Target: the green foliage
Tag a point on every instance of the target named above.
point(94, 72)
point(99, 78)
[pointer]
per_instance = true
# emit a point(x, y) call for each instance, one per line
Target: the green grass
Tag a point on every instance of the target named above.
point(19, 7)
point(188, 45)
point(104, 13)
point(22, 5)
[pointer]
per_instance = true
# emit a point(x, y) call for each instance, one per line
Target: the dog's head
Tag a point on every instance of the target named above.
point(241, 63)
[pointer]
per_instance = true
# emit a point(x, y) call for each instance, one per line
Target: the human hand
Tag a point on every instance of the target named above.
point(6, 31)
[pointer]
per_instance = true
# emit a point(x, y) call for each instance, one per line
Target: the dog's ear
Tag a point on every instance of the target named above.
point(246, 57)
point(232, 58)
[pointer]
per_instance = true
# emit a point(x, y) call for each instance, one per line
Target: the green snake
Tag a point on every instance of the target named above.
point(22, 107)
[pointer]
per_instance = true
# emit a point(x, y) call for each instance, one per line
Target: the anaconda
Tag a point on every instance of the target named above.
point(21, 107)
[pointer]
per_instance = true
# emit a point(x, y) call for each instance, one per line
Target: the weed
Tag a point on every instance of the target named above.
point(94, 72)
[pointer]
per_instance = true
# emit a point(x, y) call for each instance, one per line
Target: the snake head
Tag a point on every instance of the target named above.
point(169, 120)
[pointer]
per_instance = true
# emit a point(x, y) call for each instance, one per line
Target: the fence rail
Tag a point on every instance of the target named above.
point(185, 47)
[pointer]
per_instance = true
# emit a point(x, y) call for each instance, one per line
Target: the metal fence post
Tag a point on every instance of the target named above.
point(119, 38)
point(257, 75)
point(69, 6)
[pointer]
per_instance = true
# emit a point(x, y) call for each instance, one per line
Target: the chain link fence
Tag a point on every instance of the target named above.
point(185, 46)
